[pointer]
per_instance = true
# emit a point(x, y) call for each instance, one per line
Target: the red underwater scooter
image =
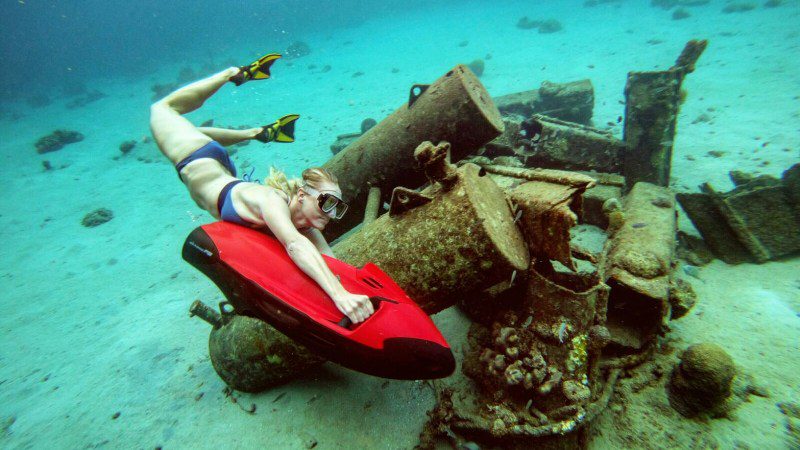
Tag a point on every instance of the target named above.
point(258, 278)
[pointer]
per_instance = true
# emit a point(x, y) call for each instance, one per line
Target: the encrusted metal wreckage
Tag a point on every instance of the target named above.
point(553, 321)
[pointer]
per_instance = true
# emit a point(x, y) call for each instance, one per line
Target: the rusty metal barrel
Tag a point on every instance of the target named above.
point(455, 108)
point(454, 241)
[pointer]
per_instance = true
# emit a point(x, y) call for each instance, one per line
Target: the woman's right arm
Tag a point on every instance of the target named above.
point(304, 254)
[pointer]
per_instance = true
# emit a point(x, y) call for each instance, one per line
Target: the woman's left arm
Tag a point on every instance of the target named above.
point(316, 238)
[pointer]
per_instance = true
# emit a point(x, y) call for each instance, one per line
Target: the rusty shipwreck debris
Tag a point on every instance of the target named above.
point(546, 142)
point(546, 204)
point(637, 265)
point(455, 108)
point(534, 378)
point(756, 221)
point(452, 238)
point(607, 188)
point(540, 137)
point(652, 100)
point(557, 144)
point(572, 101)
point(248, 354)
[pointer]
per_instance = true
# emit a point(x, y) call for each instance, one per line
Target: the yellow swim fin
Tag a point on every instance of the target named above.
point(280, 131)
point(257, 70)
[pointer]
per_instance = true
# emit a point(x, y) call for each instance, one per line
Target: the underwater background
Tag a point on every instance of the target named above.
point(97, 347)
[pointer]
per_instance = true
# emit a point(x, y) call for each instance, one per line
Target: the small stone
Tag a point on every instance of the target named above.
point(97, 217)
point(550, 26)
point(525, 23)
point(680, 13)
point(738, 7)
point(116, 415)
point(126, 147)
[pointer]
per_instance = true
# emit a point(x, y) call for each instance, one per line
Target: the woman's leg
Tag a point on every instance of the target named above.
point(228, 137)
point(177, 137)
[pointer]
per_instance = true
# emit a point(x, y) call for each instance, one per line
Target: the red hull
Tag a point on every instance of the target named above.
point(259, 279)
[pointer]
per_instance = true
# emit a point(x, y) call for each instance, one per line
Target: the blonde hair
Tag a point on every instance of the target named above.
point(313, 177)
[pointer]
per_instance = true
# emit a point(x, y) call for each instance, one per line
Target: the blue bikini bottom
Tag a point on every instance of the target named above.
point(214, 150)
point(211, 150)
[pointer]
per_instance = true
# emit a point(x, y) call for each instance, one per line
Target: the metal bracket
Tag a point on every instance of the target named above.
point(416, 91)
point(404, 199)
point(226, 310)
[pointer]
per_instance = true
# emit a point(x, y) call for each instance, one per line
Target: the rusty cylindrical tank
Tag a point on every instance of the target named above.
point(460, 239)
point(455, 108)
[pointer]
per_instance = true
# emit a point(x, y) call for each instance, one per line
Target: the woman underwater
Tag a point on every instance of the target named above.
point(294, 210)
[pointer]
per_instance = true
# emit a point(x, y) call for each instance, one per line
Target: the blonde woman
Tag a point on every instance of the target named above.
point(294, 211)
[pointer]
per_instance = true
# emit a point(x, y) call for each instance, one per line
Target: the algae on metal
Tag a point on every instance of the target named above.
point(557, 144)
point(249, 355)
point(463, 240)
point(652, 101)
point(756, 221)
point(533, 372)
point(637, 263)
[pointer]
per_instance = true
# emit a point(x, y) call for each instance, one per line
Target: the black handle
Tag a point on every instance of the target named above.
point(376, 301)
point(345, 322)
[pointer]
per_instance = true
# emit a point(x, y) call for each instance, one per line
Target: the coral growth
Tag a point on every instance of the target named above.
point(701, 384)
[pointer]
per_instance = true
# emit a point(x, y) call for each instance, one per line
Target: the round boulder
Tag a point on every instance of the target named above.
point(701, 383)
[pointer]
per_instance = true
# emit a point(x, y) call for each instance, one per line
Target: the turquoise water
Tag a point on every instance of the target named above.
point(95, 320)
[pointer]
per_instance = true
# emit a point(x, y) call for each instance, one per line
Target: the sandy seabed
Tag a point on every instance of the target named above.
point(97, 346)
